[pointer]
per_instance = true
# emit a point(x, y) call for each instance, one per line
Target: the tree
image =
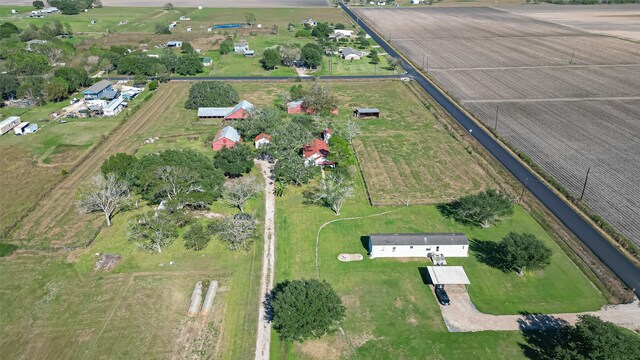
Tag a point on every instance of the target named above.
point(153, 231)
point(38, 4)
point(394, 63)
point(238, 231)
point(332, 192)
point(522, 251)
point(120, 164)
point(196, 237)
point(352, 129)
point(7, 29)
point(237, 192)
point(56, 89)
point(297, 92)
point(153, 85)
point(289, 54)
point(341, 152)
point(31, 89)
point(481, 209)
point(261, 120)
point(305, 309)
point(162, 29)
point(322, 30)
point(9, 85)
point(189, 64)
point(250, 18)
point(186, 48)
point(375, 59)
point(75, 78)
point(68, 7)
point(592, 338)
point(103, 193)
point(226, 46)
point(211, 94)
point(235, 161)
point(139, 79)
point(311, 55)
point(320, 99)
point(177, 182)
point(167, 6)
point(270, 59)
point(291, 169)
point(339, 26)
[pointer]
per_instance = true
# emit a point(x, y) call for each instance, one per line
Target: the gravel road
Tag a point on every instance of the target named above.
point(462, 316)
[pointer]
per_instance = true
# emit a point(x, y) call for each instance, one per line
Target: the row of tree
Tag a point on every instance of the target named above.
point(38, 90)
point(128, 62)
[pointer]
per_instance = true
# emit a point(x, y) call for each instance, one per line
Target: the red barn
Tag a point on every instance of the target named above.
point(297, 107)
point(227, 137)
point(240, 111)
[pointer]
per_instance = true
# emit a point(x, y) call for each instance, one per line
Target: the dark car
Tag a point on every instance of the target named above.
point(442, 296)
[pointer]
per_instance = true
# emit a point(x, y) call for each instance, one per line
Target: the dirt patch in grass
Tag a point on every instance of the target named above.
point(321, 349)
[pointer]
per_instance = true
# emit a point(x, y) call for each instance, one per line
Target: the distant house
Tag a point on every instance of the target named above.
point(249, 53)
point(310, 22)
point(174, 44)
point(415, 2)
point(316, 153)
point(227, 137)
point(207, 61)
point(350, 53)
point(114, 107)
point(366, 113)
point(97, 90)
point(9, 123)
point(184, 18)
point(240, 111)
point(341, 34)
point(241, 47)
point(297, 107)
point(261, 140)
point(418, 245)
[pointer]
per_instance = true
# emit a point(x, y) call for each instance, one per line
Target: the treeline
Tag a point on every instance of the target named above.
point(37, 90)
point(589, 2)
point(74, 7)
point(127, 62)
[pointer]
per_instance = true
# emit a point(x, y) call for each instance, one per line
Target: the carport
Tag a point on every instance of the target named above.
point(448, 275)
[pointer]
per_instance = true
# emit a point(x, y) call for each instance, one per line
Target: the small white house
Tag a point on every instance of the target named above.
point(415, 2)
point(340, 34)
point(420, 245)
point(241, 47)
point(9, 123)
point(261, 140)
point(114, 107)
point(25, 128)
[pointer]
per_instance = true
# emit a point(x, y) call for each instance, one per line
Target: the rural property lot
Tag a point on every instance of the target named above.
point(207, 3)
point(566, 97)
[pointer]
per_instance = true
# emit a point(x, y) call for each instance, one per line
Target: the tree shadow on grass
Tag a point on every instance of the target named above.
point(489, 253)
point(542, 334)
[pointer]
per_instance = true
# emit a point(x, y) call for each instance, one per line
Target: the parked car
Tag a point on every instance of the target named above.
point(442, 296)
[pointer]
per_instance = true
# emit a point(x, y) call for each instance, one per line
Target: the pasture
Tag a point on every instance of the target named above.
point(391, 313)
point(562, 95)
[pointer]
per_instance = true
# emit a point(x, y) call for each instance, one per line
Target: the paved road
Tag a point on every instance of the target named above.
point(273, 78)
point(601, 247)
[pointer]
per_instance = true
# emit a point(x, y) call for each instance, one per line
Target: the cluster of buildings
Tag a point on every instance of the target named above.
point(40, 13)
point(103, 100)
point(19, 128)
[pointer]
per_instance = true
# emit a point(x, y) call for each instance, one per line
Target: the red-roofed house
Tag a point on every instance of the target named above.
point(227, 137)
point(316, 153)
point(261, 140)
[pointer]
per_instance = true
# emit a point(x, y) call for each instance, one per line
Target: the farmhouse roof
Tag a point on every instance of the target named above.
point(98, 87)
point(367, 110)
point(244, 105)
point(263, 136)
point(316, 146)
point(448, 275)
point(229, 133)
point(113, 105)
point(419, 239)
point(294, 104)
point(351, 51)
point(213, 112)
point(9, 120)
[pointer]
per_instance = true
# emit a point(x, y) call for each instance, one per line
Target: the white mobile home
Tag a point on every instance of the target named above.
point(418, 245)
point(9, 123)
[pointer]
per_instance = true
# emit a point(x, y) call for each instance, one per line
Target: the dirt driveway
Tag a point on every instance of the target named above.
point(462, 316)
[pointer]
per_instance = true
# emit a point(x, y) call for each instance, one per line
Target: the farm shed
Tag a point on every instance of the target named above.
point(249, 53)
point(418, 245)
point(366, 113)
point(240, 111)
point(110, 94)
point(114, 107)
point(174, 44)
point(9, 123)
point(227, 137)
point(25, 128)
point(97, 90)
point(207, 61)
point(241, 47)
point(448, 275)
point(261, 140)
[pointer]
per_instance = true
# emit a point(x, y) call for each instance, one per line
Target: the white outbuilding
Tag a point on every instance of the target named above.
point(420, 245)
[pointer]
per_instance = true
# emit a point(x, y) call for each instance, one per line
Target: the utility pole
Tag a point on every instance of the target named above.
point(427, 64)
point(584, 187)
point(573, 53)
point(423, 60)
point(495, 128)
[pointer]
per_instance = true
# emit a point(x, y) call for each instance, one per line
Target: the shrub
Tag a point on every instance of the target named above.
point(196, 237)
point(211, 94)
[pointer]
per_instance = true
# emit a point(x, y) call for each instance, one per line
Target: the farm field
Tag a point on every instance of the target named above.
point(391, 313)
point(564, 95)
point(208, 3)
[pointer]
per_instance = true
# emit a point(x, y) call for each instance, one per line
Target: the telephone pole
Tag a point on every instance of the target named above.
point(524, 186)
point(584, 187)
point(495, 127)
